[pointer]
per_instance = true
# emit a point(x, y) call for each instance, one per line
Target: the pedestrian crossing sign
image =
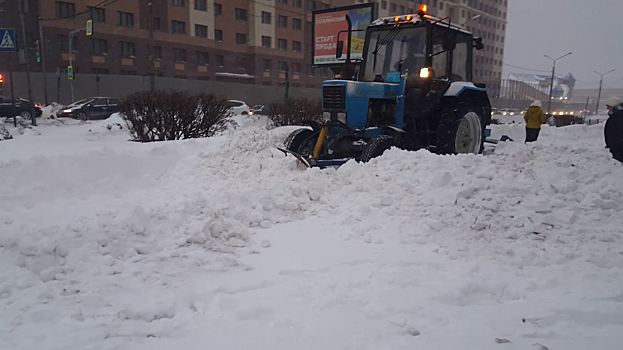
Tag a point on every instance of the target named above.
point(70, 72)
point(90, 27)
point(7, 40)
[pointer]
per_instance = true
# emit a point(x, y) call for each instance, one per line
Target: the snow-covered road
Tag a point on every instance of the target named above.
point(224, 243)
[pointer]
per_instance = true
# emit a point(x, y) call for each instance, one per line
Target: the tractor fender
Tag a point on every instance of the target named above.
point(313, 124)
point(394, 129)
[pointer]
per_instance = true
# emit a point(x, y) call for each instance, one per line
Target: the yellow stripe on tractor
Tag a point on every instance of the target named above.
point(320, 142)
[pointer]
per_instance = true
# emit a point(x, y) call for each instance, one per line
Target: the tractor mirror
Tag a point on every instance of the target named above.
point(478, 44)
point(339, 49)
point(449, 42)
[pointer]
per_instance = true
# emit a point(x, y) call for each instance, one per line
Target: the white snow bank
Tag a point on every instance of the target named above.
point(113, 244)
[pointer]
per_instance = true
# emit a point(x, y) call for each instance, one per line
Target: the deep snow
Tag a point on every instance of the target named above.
point(225, 243)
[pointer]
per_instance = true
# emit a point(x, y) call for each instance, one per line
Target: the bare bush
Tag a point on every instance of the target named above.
point(173, 115)
point(294, 111)
point(564, 120)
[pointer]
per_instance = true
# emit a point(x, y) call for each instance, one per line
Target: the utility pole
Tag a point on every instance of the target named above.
point(551, 85)
point(601, 81)
point(71, 83)
point(33, 121)
point(152, 68)
point(42, 53)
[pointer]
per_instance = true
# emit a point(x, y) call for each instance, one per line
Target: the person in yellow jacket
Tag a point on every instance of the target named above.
point(534, 118)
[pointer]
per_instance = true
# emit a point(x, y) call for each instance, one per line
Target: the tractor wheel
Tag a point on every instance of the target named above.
point(296, 139)
point(462, 134)
point(376, 147)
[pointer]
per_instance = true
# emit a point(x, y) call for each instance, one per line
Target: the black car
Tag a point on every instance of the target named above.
point(18, 107)
point(90, 108)
point(260, 109)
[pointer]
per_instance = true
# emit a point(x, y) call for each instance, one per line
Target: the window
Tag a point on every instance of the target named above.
point(282, 66)
point(392, 7)
point(297, 3)
point(441, 5)
point(296, 67)
point(282, 21)
point(241, 14)
point(267, 41)
point(282, 44)
point(63, 43)
point(268, 65)
point(384, 5)
point(220, 60)
point(266, 17)
point(98, 47)
point(241, 39)
point(125, 19)
point(201, 31)
point(402, 9)
point(179, 55)
point(98, 14)
point(128, 49)
point(177, 2)
point(201, 5)
point(297, 24)
point(65, 10)
point(127, 72)
point(296, 46)
point(241, 62)
point(158, 52)
point(218, 9)
point(178, 27)
point(203, 58)
point(156, 23)
point(218, 35)
point(284, 2)
point(100, 71)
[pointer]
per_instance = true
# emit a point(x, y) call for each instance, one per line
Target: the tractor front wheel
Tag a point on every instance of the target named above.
point(297, 139)
point(376, 147)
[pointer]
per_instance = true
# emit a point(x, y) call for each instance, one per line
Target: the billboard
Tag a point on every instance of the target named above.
point(327, 25)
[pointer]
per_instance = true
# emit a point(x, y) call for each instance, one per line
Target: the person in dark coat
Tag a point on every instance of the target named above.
point(613, 131)
point(534, 118)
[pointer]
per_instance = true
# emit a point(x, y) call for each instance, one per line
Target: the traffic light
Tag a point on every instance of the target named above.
point(1, 78)
point(38, 55)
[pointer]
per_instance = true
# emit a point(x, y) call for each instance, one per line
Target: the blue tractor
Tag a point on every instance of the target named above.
point(413, 89)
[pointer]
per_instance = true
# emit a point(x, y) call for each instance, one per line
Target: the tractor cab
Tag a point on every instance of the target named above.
point(412, 88)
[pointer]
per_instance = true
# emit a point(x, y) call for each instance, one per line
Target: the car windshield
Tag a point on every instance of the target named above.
point(388, 48)
point(82, 102)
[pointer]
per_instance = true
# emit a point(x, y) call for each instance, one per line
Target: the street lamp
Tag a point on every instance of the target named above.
point(551, 85)
point(601, 80)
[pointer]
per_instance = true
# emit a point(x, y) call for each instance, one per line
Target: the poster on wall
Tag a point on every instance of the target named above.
point(327, 25)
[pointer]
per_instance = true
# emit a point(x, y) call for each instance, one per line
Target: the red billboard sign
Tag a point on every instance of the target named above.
point(327, 27)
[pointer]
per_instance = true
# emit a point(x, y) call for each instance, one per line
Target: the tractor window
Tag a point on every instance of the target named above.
point(440, 58)
point(393, 49)
point(460, 59)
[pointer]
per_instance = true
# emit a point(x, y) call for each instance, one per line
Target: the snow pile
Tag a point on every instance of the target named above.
point(49, 111)
point(226, 241)
point(4, 133)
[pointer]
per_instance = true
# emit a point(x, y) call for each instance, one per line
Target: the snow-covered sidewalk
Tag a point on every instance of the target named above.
point(225, 243)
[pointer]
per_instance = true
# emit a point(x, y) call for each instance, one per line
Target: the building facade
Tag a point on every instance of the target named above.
point(243, 41)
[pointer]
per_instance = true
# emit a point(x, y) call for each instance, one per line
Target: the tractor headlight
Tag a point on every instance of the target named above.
point(341, 117)
point(425, 73)
point(326, 116)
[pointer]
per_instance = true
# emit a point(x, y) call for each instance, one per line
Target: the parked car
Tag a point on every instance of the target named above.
point(238, 107)
point(18, 107)
point(260, 109)
point(90, 108)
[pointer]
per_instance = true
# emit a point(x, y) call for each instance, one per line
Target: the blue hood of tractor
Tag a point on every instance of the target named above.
point(357, 95)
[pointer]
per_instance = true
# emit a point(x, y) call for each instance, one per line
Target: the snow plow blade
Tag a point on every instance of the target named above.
point(309, 163)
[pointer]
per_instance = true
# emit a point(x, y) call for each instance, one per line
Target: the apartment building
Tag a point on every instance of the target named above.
point(243, 41)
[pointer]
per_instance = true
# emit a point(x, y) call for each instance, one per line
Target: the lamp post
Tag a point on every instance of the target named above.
point(601, 81)
point(551, 85)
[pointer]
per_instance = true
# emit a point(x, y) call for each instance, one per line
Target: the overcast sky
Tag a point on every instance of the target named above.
point(591, 29)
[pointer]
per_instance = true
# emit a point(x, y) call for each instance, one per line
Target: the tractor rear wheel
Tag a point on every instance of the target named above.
point(376, 147)
point(461, 135)
point(296, 139)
